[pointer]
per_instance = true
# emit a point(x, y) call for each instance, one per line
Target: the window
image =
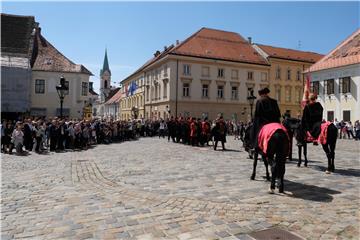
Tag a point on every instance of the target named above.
point(234, 93)
point(39, 86)
point(346, 116)
point(330, 116)
point(205, 71)
point(186, 70)
point(288, 94)
point(329, 86)
point(165, 90)
point(298, 75)
point(205, 90)
point(186, 88)
point(278, 73)
point(68, 88)
point(221, 73)
point(105, 84)
point(234, 74)
point(315, 86)
point(344, 85)
point(289, 74)
point(298, 95)
point(263, 76)
point(156, 74)
point(250, 75)
point(220, 91)
point(147, 94)
point(84, 89)
point(278, 94)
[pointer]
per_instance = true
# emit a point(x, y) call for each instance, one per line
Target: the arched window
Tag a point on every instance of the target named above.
point(105, 84)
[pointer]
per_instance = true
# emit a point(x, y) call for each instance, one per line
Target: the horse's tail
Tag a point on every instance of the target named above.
point(280, 144)
point(332, 133)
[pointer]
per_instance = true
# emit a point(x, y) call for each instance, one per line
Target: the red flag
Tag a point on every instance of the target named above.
point(306, 91)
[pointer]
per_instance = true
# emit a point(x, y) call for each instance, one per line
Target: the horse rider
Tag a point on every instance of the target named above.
point(266, 111)
point(312, 117)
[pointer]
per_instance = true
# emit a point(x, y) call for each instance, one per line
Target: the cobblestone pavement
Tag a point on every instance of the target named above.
point(152, 189)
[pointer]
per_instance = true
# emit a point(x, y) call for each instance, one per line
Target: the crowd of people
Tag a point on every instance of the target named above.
point(43, 135)
point(348, 130)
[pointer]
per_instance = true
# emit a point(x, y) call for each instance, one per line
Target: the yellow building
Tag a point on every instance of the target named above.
point(207, 74)
point(212, 73)
point(286, 74)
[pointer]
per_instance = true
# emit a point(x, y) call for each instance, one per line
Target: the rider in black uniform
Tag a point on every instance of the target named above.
point(266, 111)
point(312, 117)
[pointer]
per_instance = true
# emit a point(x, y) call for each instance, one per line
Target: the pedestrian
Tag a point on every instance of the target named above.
point(220, 133)
point(17, 138)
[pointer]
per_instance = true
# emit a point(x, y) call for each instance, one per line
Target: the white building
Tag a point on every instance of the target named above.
point(336, 79)
point(48, 67)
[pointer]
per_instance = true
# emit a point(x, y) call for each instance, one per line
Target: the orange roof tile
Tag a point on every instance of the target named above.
point(290, 54)
point(346, 53)
point(115, 98)
point(218, 44)
point(48, 58)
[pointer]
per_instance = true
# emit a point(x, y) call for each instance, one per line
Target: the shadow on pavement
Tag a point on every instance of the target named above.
point(345, 172)
point(309, 192)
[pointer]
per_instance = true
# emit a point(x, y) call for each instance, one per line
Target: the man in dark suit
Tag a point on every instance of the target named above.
point(266, 111)
point(312, 117)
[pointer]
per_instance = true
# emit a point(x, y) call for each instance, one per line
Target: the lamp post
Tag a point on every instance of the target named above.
point(61, 89)
point(251, 99)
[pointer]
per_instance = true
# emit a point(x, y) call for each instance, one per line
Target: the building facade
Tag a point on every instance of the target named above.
point(209, 79)
point(336, 79)
point(16, 61)
point(49, 66)
point(212, 73)
point(286, 74)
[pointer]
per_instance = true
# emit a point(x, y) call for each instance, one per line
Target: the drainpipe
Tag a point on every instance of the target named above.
point(177, 83)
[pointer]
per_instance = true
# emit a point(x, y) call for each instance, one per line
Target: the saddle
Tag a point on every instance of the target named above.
point(266, 133)
point(322, 138)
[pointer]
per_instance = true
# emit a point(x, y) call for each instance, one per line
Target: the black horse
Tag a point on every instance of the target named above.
point(278, 148)
point(329, 147)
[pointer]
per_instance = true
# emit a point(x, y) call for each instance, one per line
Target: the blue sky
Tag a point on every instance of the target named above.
point(132, 32)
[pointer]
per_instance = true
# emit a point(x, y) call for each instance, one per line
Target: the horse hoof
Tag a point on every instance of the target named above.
point(327, 172)
point(252, 177)
point(298, 165)
point(305, 165)
point(271, 191)
point(268, 179)
point(281, 190)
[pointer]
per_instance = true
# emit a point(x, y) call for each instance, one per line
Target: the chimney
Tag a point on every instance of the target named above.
point(177, 42)
point(157, 53)
point(250, 40)
point(165, 48)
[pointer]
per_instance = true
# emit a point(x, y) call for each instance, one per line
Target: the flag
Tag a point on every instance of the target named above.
point(126, 90)
point(306, 91)
point(133, 88)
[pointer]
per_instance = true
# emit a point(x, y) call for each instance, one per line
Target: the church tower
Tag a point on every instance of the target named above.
point(105, 76)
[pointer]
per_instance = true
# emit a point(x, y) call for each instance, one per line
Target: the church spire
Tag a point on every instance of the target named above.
point(106, 64)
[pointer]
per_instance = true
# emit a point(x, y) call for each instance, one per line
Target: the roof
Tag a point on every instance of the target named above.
point(16, 33)
point(106, 64)
point(290, 54)
point(115, 98)
point(218, 44)
point(211, 44)
point(112, 92)
point(92, 92)
point(48, 58)
point(346, 53)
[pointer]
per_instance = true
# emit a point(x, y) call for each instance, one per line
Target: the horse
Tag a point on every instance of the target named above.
point(329, 146)
point(275, 155)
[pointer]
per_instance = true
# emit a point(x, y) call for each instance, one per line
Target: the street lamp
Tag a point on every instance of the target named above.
point(61, 90)
point(251, 99)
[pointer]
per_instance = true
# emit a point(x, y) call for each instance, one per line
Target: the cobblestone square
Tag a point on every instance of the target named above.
point(154, 189)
